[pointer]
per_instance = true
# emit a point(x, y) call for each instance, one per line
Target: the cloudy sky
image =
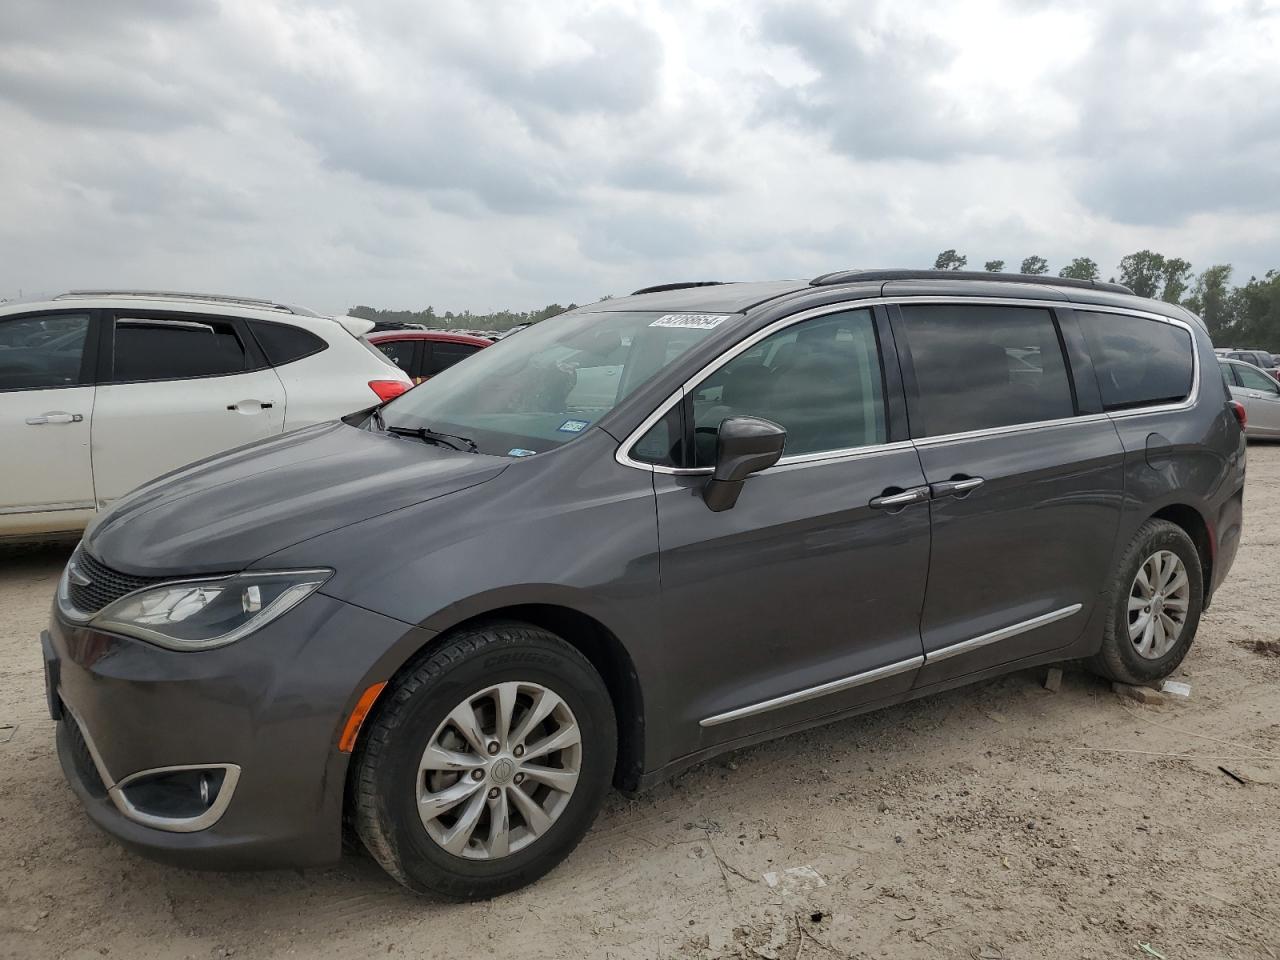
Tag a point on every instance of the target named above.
point(484, 155)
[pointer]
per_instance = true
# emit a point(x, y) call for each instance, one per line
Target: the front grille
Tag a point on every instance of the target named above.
point(82, 758)
point(105, 585)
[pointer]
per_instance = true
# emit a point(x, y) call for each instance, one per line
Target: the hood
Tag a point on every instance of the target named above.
point(222, 514)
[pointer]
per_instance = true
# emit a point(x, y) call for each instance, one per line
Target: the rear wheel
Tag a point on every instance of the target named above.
point(1156, 599)
point(486, 764)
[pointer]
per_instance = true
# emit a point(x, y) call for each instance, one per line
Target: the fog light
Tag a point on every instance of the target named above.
point(174, 794)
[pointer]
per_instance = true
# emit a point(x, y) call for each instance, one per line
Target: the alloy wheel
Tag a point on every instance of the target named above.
point(1158, 603)
point(499, 770)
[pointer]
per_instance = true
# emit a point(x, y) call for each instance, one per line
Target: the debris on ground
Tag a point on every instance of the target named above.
point(1151, 951)
point(1176, 688)
point(1265, 648)
point(1234, 776)
point(795, 878)
point(1053, 679)
point(1141, 694)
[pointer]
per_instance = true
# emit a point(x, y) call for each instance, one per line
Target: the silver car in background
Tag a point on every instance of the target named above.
point(1258, 392)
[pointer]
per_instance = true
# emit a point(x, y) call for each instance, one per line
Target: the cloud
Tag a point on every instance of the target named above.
point(513, 154)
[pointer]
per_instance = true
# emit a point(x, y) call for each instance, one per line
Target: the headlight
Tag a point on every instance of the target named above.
point(198, 614)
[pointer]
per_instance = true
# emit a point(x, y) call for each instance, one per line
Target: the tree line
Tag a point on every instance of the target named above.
point(1246, 316)
point(497, 321)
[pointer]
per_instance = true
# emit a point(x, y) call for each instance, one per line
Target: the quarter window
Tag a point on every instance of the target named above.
point(981, 367)
point(147, 349)
point(283, 344)
point(1138, 362)
point(820, 380)
point(42, 352)
point(663, 443)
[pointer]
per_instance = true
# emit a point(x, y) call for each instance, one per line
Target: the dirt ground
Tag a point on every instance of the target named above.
point(997, 821)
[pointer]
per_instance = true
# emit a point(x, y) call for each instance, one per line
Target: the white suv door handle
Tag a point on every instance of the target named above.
point(249, 406)
point(55, 416)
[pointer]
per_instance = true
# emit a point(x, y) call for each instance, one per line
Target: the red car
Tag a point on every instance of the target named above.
point(424, 353)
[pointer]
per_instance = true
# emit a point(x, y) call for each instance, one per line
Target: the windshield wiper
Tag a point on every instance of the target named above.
point(464, 444)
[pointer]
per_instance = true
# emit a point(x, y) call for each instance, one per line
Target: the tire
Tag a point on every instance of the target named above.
point(419, 710)
point(1120, 657)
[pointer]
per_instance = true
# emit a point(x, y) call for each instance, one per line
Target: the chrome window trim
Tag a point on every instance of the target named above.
point(1004, 633)
point(890, 670)
point(622, 455)
point(1010, 428)
point(810, 693)
point(115, 789)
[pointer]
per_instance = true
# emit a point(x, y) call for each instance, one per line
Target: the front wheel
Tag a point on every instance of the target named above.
point(1156, 598)
point(486, 764)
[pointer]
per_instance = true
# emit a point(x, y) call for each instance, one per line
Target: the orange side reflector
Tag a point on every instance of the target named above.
point(362, 708)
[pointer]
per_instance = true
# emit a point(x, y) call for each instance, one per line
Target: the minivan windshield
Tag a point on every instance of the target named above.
point(539, 389)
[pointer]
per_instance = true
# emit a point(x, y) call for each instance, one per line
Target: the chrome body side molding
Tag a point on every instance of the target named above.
point(892, 669)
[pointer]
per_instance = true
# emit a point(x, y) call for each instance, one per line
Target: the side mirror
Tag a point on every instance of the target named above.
point(744, 445)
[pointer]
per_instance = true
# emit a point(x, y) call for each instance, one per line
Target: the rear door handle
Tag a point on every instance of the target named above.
point(56, 416)
point(894, 502)
point(958, 487)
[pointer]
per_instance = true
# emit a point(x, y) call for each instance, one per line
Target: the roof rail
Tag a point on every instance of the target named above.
point(254, 302)
point(664, 287)
point(854, 276)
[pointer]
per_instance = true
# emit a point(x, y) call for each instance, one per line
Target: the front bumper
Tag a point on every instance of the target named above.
point(266, 711)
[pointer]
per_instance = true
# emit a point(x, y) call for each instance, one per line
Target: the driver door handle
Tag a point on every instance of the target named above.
point(960, 487)
point(898, 501)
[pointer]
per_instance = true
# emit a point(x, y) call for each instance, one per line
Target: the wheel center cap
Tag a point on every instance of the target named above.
point(1158, 604)
point(502, 771)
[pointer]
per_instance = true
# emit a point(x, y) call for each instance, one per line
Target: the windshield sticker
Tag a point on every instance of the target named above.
point(572, 426)
point(695, 321)
point(520, 452)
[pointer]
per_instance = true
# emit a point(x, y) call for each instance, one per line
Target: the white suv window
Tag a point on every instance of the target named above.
point(154, 349)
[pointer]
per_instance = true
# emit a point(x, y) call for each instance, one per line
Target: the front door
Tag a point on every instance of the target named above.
point(46, 405)
point(1025, 494)
point(802, 600)
point(179, 389)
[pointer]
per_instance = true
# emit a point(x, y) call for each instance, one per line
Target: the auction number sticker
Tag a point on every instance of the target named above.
point(695, 321)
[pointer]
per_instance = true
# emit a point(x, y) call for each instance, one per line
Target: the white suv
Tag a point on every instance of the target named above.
point(101, 391)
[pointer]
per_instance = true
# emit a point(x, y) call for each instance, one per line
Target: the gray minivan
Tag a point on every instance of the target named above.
point(446, 626)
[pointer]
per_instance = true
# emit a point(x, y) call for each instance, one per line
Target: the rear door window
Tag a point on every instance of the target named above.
point(1138, 362)
point(442, 355)
point(401, 353)
point(819, 379)
point(175, 349)
point(981, 367)
point(42, 352)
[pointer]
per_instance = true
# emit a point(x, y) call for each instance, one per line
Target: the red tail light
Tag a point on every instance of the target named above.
point(388, 389)
point(1238, 409)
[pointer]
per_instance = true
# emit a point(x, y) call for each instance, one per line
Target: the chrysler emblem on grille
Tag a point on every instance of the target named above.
point(75, 576)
